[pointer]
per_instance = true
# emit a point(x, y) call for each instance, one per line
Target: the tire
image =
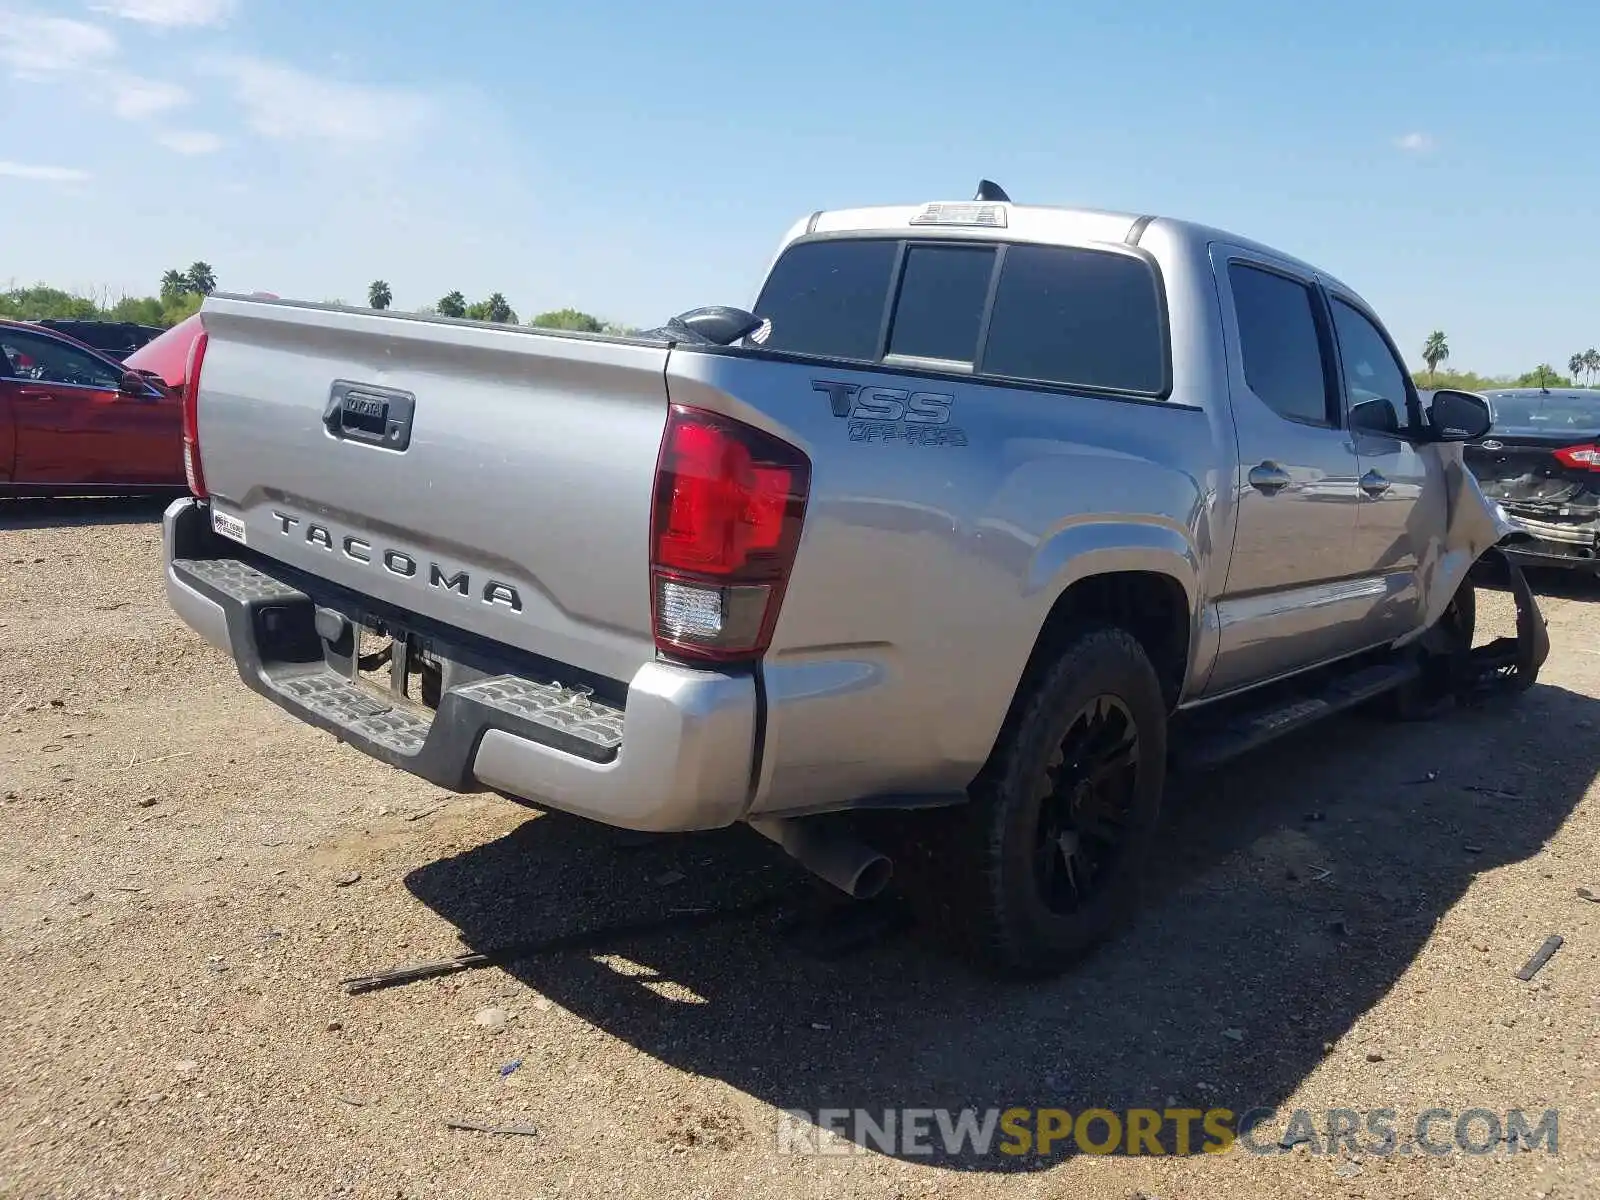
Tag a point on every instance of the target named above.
point(1026, 879)
point(1444, 649)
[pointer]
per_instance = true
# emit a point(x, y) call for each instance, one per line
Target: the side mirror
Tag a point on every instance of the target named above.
point(1375, 416)
point(142, 385)
point(1458, 416)
point(717, 325)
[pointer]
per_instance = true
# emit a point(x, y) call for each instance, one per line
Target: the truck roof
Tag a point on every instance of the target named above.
point(1006, 220)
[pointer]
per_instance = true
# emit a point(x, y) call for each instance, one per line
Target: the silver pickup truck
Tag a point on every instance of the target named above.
point(990, 510)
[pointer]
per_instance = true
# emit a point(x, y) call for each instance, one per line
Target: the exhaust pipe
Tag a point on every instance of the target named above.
point(848, 863)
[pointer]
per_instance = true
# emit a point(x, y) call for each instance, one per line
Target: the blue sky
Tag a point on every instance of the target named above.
point(635, 159)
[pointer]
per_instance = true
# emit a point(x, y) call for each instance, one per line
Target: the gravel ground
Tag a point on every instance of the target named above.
point(186, 873)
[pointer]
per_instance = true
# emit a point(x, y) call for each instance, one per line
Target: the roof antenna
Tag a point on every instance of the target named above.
point(988, 189)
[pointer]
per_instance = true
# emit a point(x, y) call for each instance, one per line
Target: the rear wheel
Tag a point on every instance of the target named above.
point(1045, 861)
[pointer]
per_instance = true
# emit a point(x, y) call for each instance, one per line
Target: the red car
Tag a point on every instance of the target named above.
point(75, 421)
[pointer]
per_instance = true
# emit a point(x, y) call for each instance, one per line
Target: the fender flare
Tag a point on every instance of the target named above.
point(1089, 548)
point(1103, 547)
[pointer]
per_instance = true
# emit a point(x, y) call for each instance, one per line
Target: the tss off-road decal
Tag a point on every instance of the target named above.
point(885, 414)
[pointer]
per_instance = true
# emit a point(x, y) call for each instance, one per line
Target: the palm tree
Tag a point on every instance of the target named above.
point(379, 295)
point(173, 285)
point(499, 310)
point(1591, 363)
point(202, 279)
point(454, 304)
point(1435, 351)
point(1576, 365)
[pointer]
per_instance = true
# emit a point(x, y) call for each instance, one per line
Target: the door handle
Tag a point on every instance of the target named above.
point(1269, 478)
point(1374, 484)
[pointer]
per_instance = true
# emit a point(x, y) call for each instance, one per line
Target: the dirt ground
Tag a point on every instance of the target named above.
point(186, 874)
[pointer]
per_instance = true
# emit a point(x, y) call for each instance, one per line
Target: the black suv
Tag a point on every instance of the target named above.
point(115, 338)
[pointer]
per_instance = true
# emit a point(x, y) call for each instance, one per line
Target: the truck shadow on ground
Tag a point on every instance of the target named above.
point(32, 512)
point(1290, 894)
point(1565, 584)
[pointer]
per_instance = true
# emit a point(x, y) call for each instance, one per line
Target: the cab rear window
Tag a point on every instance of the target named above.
point(827, 298)
point(1066, 316)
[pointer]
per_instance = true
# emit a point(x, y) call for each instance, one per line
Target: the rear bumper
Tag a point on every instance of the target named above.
point(1554, 543)
point(677, 752)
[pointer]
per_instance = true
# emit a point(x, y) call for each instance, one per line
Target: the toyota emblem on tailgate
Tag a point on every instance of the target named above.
point(1491, 444)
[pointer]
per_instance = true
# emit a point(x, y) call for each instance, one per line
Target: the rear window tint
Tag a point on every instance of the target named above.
point(1085, 318)
point(1559, 413)
point(939, 313)
point(1059, 315)
point(1278, 340)
point(827, 298)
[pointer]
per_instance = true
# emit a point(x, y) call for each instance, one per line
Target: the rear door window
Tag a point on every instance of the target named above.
point(1280, 344)
point(827, 298)
point(1083, 318)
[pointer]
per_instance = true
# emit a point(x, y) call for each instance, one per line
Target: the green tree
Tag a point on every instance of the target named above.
point(180, 308)
point(568, 318)
point(41, 301)
point(141, 310)
point(1435, 351)
point(495, 309)
point(1466, 381)
point(452, 304)
point(174, 284)
point(500, 311)
point(1543, 376)
point(379, 295)
point(202, 279)
point(1591, 364)
point(1576, 365)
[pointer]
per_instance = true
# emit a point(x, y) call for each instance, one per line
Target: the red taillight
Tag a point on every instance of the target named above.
point(1580, 458)
point(191, 416)
point(729, 504)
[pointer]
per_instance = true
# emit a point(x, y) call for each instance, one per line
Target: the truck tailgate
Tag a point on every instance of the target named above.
point(492, 478)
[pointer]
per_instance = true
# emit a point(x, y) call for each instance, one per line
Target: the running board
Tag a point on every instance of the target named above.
point(1214, 742)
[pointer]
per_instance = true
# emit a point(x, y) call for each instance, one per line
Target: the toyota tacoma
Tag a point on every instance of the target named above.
point(987, 510)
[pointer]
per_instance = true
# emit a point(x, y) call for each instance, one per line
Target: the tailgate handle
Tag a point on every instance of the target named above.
point(369, 414)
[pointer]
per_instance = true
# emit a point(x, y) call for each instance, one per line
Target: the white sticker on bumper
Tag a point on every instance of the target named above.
point(228, 527)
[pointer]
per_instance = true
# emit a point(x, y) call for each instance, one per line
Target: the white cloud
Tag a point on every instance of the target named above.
point(133, 98)
point(42, 174)
point(190, 141)
point(170, 12)
point(1415, 143)
point(284, 102)
point(35, 47)
point(55, 48)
